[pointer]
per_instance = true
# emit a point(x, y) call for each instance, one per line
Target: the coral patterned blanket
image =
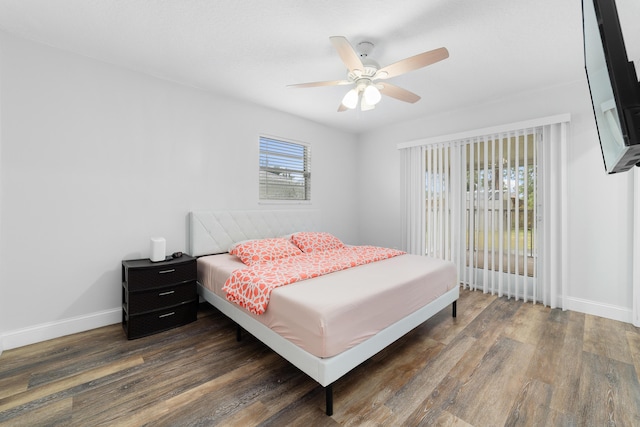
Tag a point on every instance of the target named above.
point(251, 287)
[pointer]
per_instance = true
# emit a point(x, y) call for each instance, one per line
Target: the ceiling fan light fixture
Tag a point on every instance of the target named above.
point(365, 106)
point(372, 95)
point(350, 100)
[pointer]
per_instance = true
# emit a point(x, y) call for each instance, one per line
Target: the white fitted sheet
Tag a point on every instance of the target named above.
point(329, 314)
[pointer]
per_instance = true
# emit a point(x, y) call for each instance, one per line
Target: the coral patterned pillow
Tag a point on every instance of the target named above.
point(313, 241)
point(263, 250)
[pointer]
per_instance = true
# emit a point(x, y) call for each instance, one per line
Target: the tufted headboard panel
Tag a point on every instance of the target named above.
point(213, 232)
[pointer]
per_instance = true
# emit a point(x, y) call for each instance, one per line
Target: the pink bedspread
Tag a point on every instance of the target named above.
point(251, 287)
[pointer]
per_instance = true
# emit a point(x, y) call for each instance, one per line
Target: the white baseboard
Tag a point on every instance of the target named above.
point(50, 330)
point(613, 312)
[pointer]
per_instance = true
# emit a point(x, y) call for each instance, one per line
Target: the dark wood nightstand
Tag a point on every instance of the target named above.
point(157, 296)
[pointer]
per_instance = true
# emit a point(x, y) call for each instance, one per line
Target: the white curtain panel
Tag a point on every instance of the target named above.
point(494, 202)
point(553, 211)
point(413, 201)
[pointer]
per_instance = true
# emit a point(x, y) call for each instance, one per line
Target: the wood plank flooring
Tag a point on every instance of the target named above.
point(500, 362)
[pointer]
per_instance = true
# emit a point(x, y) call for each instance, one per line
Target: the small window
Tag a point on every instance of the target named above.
point(284, 170)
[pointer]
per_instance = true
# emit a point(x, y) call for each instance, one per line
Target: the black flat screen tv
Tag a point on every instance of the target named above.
point(613, 84)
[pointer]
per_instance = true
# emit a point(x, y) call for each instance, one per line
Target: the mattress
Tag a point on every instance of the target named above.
point(329, 314)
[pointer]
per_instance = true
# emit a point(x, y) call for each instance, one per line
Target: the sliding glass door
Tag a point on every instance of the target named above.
point(481, 208)
point(493, 201)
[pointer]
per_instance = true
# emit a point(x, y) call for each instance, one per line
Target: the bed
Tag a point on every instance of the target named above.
point(323, 336)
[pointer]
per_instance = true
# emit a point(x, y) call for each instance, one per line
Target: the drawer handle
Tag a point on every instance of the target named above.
point(161, 294)
point(167, 271)
point(166, 315)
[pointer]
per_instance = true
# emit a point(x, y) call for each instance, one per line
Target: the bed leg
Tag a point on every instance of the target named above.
point(238, 333)
point(329, 399)
point(454, 309)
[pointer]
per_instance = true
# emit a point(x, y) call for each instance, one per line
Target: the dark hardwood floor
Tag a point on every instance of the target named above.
point(500, 362)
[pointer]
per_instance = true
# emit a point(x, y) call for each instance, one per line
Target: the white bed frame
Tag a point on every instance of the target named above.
point(214, 232)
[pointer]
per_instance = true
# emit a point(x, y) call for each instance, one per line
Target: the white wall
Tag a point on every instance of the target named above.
point(3, 303)
point(97, 159)
point(600, 205)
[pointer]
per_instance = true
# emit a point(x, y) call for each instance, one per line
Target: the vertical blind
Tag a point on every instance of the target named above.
point(284, 170)
point(481, 201)
point(492, 204)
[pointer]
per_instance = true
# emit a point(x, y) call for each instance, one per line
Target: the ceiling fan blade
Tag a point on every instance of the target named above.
point(348, 55)
point(342, 108)
point(398, 93)
point(318, 84)
point(412, 63)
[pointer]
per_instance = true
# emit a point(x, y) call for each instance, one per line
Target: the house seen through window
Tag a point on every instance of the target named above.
point(284, 170)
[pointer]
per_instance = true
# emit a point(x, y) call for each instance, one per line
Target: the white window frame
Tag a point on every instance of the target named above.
point(301, 173)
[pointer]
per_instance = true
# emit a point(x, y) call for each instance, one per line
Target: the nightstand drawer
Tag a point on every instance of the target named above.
point(141, 325)
point(161, 275)
point(140, 302)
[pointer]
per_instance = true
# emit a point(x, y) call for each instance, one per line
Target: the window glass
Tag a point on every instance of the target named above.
point(284, 170)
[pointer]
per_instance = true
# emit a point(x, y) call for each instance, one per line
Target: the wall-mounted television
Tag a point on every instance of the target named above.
point(613, 84)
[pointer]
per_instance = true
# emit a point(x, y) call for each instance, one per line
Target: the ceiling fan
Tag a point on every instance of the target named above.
point(365, 74)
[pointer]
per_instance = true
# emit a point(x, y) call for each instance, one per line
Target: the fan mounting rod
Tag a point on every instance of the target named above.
point(364, 48)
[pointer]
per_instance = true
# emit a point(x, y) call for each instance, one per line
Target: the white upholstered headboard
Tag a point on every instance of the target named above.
point(212, 232)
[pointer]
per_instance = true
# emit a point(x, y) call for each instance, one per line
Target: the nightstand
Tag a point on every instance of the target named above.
point(157, 296)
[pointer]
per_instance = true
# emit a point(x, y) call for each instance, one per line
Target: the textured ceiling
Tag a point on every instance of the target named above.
point(252, 49)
